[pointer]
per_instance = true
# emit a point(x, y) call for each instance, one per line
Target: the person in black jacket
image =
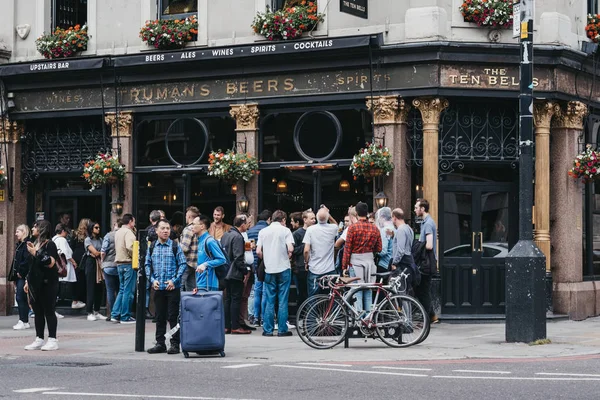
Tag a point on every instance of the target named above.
point(307, 218)
point(42, 285)
point(18, 274)
point(233, 244)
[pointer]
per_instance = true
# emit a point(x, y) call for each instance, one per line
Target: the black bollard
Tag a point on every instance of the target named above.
point(140, 310)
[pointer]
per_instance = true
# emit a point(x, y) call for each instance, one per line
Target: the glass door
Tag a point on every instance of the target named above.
point(476, 234)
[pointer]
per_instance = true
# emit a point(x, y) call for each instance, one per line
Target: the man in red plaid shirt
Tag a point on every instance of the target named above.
point(362, 241)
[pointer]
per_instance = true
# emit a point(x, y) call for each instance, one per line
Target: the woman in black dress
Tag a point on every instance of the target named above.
point(42, 285)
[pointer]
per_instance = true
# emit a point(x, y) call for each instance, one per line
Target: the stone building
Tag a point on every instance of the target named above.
point(412, 75)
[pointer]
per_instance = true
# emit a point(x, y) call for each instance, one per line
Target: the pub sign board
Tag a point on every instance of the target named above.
point(359, 8)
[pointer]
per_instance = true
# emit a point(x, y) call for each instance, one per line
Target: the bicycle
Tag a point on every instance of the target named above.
point(398, 320)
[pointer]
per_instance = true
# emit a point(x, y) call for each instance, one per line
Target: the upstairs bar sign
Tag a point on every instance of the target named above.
point(359, 8)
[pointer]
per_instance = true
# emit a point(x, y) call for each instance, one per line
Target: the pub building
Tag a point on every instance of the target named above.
point(447, 111)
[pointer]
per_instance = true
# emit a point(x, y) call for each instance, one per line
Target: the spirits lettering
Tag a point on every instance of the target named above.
point(262, 49)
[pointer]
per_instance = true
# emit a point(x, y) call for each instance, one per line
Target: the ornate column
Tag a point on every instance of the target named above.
point(431, 108)
point(389, 117)
point(13, 205)
point(246, 119)
point(121, 130)
point(571, 295)
point(542, 116)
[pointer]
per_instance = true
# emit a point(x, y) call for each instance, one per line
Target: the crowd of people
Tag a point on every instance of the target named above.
point(253, 263)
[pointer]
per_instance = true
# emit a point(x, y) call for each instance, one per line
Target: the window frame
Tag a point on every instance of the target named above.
point(159, 4)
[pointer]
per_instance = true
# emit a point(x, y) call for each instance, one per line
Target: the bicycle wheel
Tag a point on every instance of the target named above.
point(322, 322)
point(401, 321)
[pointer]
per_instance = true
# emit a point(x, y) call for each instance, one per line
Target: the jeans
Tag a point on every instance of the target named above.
point(43, 303)
point(364, 298)
point(22, 301)
point(93, 289)
point(188, 280)
point(277, 285)
point(122, 307)
point(166, 303)
point(259, 299)
point(111, 277)
point(423, 294)
point(233, 301)
point(313, 283)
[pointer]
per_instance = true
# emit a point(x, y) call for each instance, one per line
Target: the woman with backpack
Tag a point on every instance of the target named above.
point(42, 285)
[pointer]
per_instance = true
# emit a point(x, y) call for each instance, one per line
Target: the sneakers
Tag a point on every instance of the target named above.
point(59, 316)
point(435, 320)
point(21, 325)
point(51, 344)
point(285, 334)
point(98, 315)
point(36, 345)
point(290, 326)
point(77, 305)
point(91, 317)
point(173, 350)
point(158, 348)
point(31, 314)
point(267, 334)
point(128, 321)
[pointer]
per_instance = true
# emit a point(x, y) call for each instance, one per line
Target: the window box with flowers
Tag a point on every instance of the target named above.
point(289, 22)
point(372, 160)
point(586, 166)
point(169, 34)
point(592, 29)
point(231, 166)
point(63, 43)
point(489, 13)
point(104, 169)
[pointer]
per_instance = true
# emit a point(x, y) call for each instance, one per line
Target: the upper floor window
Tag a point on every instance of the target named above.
point(68, 13)
point(277, 4)
point(177, 8)
point(592, 6)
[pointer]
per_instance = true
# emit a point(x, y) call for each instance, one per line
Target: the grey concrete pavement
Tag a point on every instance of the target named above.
point(105, 340)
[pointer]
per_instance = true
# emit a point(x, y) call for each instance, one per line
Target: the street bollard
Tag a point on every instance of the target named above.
point(140, 315)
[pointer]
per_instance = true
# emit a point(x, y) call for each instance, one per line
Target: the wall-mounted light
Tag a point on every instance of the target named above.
point(233, 189)
point(10, 104)
point(243, 204)
point(149, 184)
point(174, 197)
point(117, 206)
point(282, 186)
point(381, 200)
point(344, 186)
point(274, 180)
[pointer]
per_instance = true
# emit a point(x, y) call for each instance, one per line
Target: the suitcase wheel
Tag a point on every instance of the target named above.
point(222, 353)
point(186, 354)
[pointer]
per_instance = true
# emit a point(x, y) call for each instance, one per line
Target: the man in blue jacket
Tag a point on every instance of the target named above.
point(206, 278)
point(165, 264)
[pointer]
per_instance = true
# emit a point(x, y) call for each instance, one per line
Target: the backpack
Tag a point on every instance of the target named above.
point(175, 247)
point(220, 270)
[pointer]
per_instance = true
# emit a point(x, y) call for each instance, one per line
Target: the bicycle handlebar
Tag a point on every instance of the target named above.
point(396, 284)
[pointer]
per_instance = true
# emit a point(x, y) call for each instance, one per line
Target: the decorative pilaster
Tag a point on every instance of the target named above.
point(13, 206)
point(246, 120)
point(542, 117)
point(121, 132)
point(431, 108)
point(389, 117)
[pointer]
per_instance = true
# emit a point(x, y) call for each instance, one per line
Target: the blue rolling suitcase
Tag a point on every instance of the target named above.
point(202, 323)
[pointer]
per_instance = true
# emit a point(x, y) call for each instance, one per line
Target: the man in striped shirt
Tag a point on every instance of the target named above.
point(165, 264)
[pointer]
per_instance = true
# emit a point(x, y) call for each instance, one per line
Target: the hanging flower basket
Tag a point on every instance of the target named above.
point(586, 165)
point(373, 160)
point(592, 28)
point(491, 13)
point(104, 169)
point(2, 176)
point(63, 43)
point(232, 166)
point(169, 34)
point(289, 22)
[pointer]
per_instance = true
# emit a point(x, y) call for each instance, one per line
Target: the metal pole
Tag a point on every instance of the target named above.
point(525, 264)
point(140, 310)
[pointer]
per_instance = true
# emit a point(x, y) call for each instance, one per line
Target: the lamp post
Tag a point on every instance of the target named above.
point(525, 264)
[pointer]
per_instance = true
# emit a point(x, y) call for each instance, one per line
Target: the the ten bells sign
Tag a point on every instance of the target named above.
point(394, 78)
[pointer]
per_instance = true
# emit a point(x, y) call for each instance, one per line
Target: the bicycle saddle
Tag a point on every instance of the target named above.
point(346, 279)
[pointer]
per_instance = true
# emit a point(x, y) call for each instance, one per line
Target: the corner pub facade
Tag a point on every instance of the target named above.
point(441, 93)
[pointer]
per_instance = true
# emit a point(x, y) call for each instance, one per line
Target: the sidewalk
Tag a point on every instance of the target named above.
point(101, 339)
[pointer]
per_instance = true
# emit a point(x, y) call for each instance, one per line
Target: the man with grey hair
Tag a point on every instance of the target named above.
point(383, 219)
point(319, 242)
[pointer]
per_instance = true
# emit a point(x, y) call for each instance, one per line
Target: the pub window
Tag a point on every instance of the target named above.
point(592, 6)
point(68, 13)
point(277, 4)
point(171, 9)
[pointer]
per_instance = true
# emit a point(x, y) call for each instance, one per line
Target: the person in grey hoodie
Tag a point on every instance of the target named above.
point(109, 267)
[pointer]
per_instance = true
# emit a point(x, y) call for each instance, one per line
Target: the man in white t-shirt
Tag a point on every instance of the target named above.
point(319, 241)
point(275, 245)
